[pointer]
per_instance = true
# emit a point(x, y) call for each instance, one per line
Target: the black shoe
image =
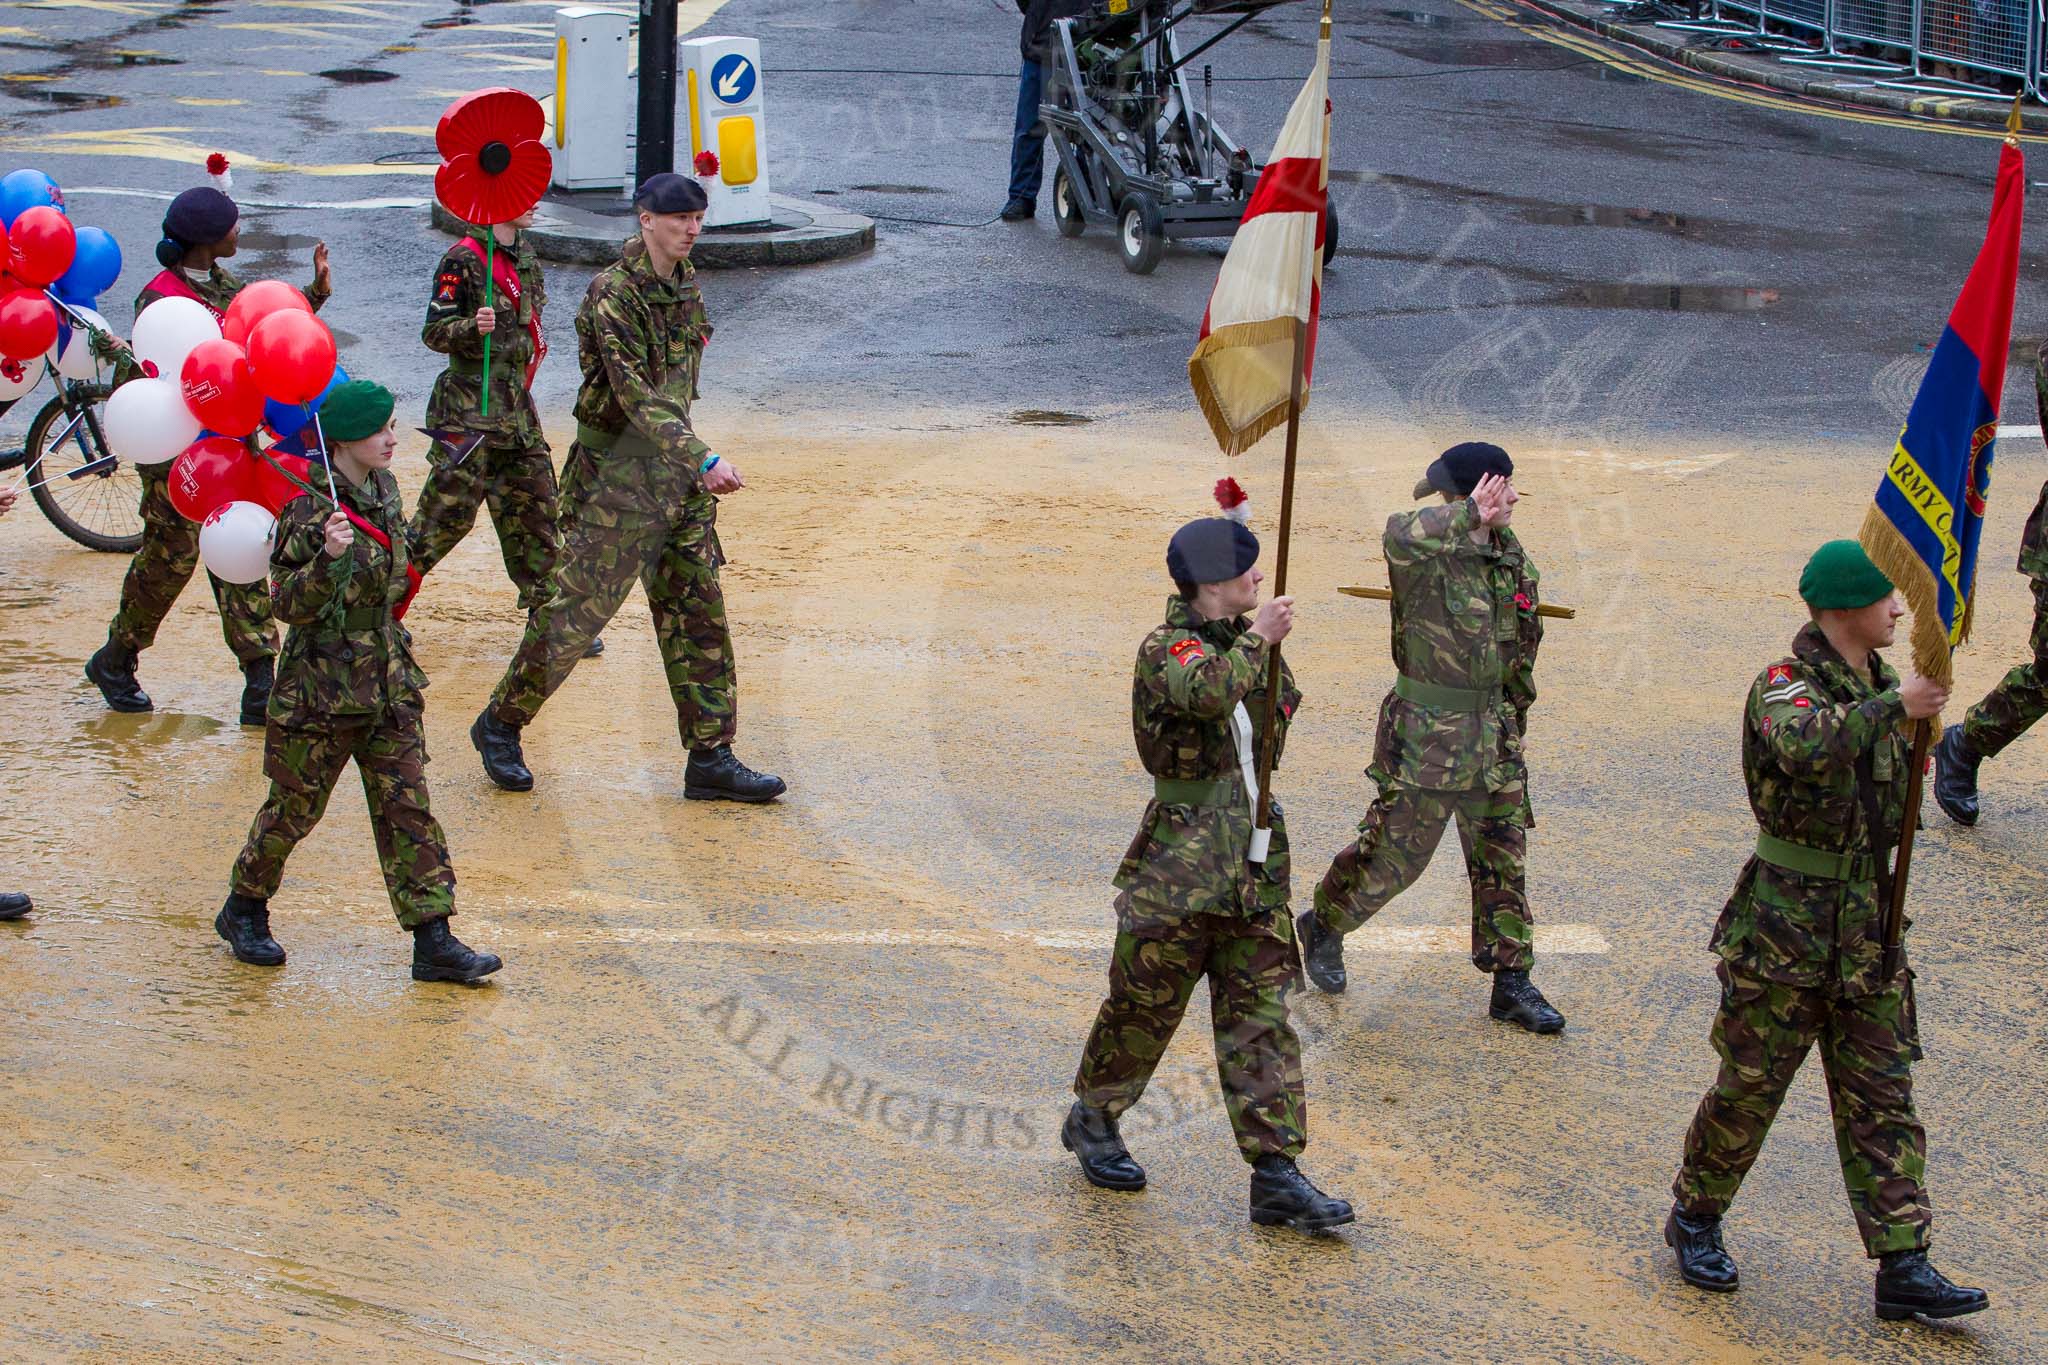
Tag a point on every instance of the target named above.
point(13, 905)
point(438, 955)
point(1282, 1197)
point(256, 691)
point(1017, 210)
point(1955, 776)
point(498, 743)
point(596, 647)
point(715, 775)
point(1907, 1283)
point(1517, 1001)
point(1322, 953)
point(1091, 1135)
point(245, 923)
point(1702, 1261)
point(112, 671)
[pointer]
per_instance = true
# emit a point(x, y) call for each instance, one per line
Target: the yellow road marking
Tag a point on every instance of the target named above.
point(360, 10)
point(157, 144)
point(409, 129)
point(202, 102)
point(144, 9)
point(1597, 47)
point(694, 13)
point(505, 61)
point(269, 72)
point(31, 78)
point(301, 30)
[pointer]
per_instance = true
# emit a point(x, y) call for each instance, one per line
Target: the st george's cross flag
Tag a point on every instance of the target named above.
point(1269, 290)
point(1923, 529)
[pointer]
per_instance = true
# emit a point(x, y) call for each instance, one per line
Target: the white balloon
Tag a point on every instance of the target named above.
point(167, 330)
point(31, 375)
point(77, 360)
point(147, 422)
point(235, 542)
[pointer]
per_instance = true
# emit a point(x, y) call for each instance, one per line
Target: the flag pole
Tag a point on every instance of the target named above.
point(1264, 820)
point(1895, 913)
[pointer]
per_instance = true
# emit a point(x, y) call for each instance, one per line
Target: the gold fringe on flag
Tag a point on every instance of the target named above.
point(1229, 357)
point(1933, 657)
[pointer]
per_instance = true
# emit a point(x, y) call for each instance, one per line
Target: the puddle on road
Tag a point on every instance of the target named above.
point(276, 241)
point(1561, 213)
point(62, 101)
point(1046, 417)
point(357, 75)
point(1668, 298)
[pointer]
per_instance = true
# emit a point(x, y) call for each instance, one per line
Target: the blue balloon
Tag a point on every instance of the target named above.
point(95, 266)
point(289, 419)
point(21, 191)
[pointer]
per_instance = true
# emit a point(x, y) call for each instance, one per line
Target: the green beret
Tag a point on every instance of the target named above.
point(1840, 575)
point(355, 410)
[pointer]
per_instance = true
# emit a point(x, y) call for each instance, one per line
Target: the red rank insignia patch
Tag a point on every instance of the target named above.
point(1778, 674)
point(1185, 652)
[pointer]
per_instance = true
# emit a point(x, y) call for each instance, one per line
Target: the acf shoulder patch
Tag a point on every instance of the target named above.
point(1186, 651)
point(446, 283)
point(1778, 674)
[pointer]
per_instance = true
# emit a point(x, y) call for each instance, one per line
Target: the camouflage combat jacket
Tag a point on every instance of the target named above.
point(1189, 856)
point(1465, 637)
point(344, 654)
point(2034, 541)
point(1810, 723)
point(640, 341)
point(451, 330)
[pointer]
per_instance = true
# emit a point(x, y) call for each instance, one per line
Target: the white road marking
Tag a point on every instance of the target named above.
point(2023, 431)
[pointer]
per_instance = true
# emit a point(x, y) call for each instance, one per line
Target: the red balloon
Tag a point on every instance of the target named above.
point(221, 389)
point(28, 324)
point(257, 302)
point(208, 474)
point(293, 356)
point(40, 245)
point(272, 490)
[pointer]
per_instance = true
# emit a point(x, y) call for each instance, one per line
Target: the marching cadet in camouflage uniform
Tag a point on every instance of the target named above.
point(347, 687)
point(13, 904)
point(2021, 697)
point(511, 469)
point(1190, 902)
point(1450, 734)
point(639, 500)
point(1801, 942)
point(200, 231)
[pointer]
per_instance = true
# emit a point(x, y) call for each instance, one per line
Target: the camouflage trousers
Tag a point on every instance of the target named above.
point(391, 754)
point(162, 568)
point(2021, 697)
point(1258, 1056)
point(605, 550)
point(517, 482)
point(1398, 837)
point(1867, 1047)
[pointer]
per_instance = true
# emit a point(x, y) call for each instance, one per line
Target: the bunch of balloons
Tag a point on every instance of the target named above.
point(51, 277)
point(205, 388)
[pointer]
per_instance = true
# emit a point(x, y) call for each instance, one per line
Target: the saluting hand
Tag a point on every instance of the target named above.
point(323, 278)
point(1923, 697)
point(1275, 620)
point(1491, 498)
point(486, 321)
point(340, 535)
point(724, 477)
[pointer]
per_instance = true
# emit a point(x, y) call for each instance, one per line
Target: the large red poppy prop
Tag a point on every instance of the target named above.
point(493, 168)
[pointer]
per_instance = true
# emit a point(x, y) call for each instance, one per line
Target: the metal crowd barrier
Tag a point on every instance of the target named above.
point(1895, 42)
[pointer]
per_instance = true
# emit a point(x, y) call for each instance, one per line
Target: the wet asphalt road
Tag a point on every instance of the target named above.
point(788, 1082)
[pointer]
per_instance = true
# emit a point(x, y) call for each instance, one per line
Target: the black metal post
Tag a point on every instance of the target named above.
point(655, 139)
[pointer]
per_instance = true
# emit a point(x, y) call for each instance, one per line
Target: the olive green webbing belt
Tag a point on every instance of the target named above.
point(627, 442)
point(1814, 862)
point(365, 618)
point(1176, 792)
point(1446, 698)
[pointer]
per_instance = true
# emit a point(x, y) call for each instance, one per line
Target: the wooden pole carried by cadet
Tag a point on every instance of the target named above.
point(1252, 366)
point(1549, 609)
point(1924, 527)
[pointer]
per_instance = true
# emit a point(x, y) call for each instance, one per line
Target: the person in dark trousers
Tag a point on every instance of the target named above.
point(1027, 143)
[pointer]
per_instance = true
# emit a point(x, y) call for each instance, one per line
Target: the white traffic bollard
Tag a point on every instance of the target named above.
point(593, 99)
point(722, 101)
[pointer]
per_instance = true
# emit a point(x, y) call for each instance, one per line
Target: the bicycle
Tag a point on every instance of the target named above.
point(85, 490)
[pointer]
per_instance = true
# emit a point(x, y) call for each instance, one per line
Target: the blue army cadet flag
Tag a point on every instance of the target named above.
point(1929, 513)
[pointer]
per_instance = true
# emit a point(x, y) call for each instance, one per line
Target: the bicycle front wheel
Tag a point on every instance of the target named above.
point(86, 492)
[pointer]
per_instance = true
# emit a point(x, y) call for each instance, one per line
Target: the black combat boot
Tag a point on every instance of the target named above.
point(1908, 1283)
point(1322, 953)
point(245, 923)
point(112, 671)
point(438, 955)
point(1091, 1135)
point(1517, 1001)
point(1282, 1197)
point(1955, 776)
point(13, 905)
point(258, 677)
point(1702, 1261)
point(715, 775)
point(498, 743)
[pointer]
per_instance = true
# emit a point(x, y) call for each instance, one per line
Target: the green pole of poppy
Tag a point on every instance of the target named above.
point(490, 301)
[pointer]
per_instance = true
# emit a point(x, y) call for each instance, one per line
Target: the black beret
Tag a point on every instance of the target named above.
point(1211, 550)
point(667, 192)
point(200, 216)
point(1458, 470)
